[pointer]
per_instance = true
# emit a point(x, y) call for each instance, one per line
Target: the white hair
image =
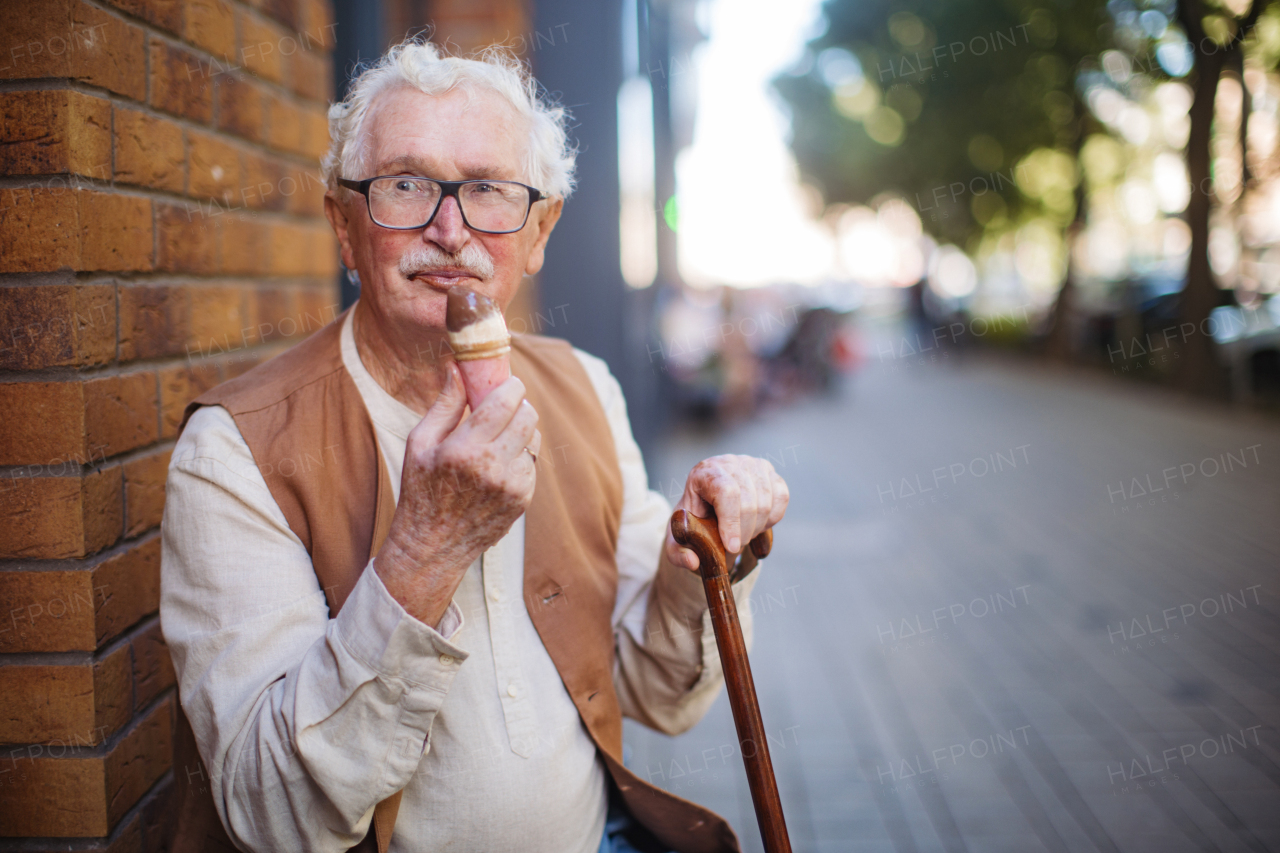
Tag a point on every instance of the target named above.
point(421, 65)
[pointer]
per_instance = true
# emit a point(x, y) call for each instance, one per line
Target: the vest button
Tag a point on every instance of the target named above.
point(446, 659)
point(512, 691)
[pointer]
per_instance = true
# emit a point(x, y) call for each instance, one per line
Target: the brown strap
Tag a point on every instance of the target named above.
point(384, 820)
point(384, 509)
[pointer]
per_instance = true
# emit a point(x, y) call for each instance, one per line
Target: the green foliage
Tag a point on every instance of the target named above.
point(955, 96)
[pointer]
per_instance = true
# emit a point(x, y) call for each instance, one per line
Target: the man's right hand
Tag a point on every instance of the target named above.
point(463, 485)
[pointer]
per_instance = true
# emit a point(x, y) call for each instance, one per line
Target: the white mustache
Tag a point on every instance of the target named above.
point(473, 260)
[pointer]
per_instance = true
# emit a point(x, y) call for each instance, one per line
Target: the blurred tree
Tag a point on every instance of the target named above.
point(942, 101)
point(1217, 31)
point(976, 113)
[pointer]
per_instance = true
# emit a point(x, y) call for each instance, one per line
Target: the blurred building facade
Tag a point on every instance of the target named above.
point(162, 230)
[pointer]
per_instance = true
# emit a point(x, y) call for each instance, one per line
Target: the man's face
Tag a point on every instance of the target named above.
point(405, 275)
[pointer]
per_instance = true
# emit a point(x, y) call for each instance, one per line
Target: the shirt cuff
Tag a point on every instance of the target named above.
point(379, 632)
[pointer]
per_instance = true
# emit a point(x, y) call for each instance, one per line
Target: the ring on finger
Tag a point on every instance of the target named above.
point(532, 455)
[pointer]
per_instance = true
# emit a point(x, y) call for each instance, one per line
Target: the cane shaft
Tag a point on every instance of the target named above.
point(746, 714)
point(701, 536)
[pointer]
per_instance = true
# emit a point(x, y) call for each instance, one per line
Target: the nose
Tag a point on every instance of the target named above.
point(447, 230)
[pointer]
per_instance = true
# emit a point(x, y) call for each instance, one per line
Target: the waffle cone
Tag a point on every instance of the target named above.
point(485, 349)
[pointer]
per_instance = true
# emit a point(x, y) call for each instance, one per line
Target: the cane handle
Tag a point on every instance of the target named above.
point(702, 537)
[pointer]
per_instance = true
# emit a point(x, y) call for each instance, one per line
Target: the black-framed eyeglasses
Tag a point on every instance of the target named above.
point(407, 203)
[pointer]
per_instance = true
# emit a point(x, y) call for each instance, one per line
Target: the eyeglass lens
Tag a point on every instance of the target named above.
point(487, 205)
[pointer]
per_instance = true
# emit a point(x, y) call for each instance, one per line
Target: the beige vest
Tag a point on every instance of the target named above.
point(304, 402)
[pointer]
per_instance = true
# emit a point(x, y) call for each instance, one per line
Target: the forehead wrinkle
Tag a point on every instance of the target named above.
point(404, 163)
point(422, 167)
point(513, 128)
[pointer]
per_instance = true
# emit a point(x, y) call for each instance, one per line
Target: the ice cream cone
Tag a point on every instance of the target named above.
point(480, 342)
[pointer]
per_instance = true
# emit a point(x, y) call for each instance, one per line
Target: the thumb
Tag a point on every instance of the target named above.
point(446, 412)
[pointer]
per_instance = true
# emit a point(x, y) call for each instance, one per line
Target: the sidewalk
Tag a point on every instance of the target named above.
point(1009, 610)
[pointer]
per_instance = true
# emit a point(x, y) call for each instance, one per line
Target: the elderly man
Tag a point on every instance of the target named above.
point(401, 624)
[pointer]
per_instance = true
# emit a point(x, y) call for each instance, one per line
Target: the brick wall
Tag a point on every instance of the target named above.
point(161, 230)
point(466, 25)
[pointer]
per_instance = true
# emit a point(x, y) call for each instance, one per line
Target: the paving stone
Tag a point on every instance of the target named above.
point(1086, 533)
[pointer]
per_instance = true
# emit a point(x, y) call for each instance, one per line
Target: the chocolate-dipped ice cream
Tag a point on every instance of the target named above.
point(479, 340)
point(476, 326)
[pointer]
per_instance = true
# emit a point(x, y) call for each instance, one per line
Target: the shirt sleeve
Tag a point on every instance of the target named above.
point(667, 671)
point(304, 722)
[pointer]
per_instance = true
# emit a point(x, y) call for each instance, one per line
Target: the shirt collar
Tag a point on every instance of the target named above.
point(386, 411)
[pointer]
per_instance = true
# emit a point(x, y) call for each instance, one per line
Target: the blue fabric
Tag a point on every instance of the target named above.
point(618, 822)
point(616, 825)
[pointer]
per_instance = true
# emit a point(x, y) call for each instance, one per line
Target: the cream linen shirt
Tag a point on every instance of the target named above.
point(305, 722)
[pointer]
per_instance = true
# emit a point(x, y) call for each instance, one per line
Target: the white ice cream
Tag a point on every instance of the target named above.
point(484, 333)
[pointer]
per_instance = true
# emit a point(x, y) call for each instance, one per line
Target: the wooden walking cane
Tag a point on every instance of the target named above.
point(701, 536)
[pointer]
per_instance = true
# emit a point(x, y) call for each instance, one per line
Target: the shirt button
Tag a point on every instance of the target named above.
point(512, 691)
point(446, 659)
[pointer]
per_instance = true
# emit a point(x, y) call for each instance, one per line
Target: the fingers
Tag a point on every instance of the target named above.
point(768, 497)
point(523, 464)
point(679, 556)
point(746, 493)
point(497, 411)
point(518, 433)
point(762, 484)
point(721, 489)
point(750, 484)
point(781, 496)
point(445, 413)
point(694, 502)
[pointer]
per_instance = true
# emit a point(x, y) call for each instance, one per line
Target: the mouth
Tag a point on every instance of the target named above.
point(443, 279)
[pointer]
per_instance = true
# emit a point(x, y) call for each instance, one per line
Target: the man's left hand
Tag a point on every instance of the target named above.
point(748, 496)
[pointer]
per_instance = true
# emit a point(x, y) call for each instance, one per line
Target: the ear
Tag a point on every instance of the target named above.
point(337, 216)
point(546, 223)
